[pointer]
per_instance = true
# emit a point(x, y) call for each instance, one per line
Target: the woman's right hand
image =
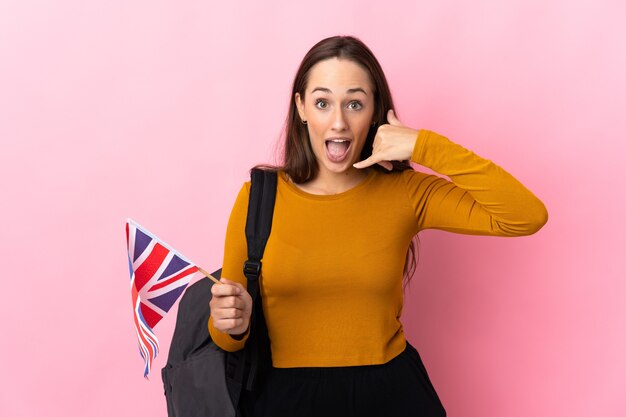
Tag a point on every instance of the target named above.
point(231, 307)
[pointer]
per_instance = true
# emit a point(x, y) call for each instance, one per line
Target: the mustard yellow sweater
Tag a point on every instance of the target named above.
point(332, 270)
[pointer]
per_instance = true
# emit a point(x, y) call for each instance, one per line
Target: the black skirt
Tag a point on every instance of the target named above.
point(398, 388)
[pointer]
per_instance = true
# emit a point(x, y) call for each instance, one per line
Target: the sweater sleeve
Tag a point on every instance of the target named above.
point(481, 199)
point(235, 254)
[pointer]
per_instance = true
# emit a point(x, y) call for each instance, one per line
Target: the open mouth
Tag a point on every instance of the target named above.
point(337, 149)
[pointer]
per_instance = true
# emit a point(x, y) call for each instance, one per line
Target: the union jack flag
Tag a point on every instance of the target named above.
point(158, 276)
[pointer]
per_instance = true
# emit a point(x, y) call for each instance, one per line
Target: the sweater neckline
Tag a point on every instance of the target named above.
point(291, 186)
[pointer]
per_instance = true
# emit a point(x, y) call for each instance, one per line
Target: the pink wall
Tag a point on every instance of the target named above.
point(155, 110)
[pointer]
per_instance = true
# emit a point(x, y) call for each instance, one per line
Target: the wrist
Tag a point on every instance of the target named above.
point(412, 143)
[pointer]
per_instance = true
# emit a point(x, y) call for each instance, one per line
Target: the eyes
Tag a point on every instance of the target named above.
point(322, 104)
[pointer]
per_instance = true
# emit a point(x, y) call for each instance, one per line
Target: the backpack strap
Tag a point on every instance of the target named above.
point(258, 227)
point(258, 223)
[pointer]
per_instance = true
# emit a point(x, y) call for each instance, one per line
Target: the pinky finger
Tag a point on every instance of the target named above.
point(230, 324)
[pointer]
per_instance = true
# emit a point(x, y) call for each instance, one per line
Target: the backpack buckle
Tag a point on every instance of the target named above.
point(252, 269)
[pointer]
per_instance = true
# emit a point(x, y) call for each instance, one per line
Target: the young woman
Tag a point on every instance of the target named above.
point(347, 208)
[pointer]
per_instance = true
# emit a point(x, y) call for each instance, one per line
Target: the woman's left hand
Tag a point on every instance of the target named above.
point(393, 142)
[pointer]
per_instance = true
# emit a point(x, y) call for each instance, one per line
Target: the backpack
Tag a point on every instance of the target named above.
point(201, 379)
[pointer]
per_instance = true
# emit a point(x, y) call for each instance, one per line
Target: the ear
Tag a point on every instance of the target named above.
point(299, 105)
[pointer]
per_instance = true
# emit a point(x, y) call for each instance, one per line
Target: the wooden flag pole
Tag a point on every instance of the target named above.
point(215, 280)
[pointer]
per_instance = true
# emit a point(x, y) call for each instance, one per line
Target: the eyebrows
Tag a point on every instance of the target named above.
point(349, 91)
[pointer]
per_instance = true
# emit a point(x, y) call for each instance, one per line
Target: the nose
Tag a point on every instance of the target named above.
point(339, 121)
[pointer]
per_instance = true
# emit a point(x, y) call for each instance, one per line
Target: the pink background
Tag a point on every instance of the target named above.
point(155, 110)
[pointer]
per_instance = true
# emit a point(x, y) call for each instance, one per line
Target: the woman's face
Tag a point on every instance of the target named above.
point(338, 106)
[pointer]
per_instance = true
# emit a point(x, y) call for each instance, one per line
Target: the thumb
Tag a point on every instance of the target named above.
point(393, 120)
point(233, 283)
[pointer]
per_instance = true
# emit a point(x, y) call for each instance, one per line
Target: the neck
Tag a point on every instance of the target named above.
point(328, 183)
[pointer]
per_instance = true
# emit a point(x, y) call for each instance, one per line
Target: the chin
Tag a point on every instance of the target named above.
point(339, 168)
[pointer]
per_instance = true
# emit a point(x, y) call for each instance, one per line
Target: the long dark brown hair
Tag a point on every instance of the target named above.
point(298, 159)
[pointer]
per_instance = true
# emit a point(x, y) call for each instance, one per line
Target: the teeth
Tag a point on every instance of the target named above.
point(337, 140)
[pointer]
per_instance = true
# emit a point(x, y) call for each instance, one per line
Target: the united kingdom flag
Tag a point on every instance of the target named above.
point(158, 276)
